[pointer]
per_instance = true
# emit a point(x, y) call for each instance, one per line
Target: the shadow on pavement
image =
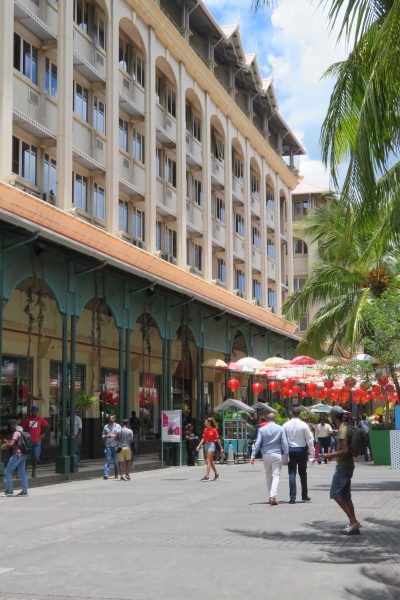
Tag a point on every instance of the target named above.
point(378, 486)
point(384, 575)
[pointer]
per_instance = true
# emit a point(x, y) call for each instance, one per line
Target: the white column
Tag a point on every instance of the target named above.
point(278, 285)
point(263, 226)
point(289, 236)
point(65, 127)
point(230, 225)
point(112, 117)
point(248, 254)
point(181, 168)
point(206, 186)
point(6, 86)
point(150, 150)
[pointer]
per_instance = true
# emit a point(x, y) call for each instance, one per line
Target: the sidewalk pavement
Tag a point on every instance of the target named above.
point(165, 535)
point(88, 469)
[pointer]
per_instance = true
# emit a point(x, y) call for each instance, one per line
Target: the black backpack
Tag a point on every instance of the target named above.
point(357, 441)
point(25, 444)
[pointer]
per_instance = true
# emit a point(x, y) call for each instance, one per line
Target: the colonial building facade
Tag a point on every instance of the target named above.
point(146, 211)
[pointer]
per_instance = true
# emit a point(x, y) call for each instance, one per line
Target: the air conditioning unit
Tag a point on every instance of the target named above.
point(100, 59)
point(168, 122)
point(171, 258)
point(33, 98)
point(125, 163)
point(137, 242)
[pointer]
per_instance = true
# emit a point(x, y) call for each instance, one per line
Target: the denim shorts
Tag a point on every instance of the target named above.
point(341, 482)
point(209, 447)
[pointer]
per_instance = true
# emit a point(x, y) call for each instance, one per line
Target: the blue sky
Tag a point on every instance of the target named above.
point(295, 47)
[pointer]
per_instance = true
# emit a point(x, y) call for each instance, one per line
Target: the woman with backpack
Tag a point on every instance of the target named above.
point(17, 461)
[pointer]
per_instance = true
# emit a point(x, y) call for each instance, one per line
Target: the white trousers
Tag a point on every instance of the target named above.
point(273, 467)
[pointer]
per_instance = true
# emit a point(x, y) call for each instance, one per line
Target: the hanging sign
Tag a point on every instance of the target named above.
point(171, 426)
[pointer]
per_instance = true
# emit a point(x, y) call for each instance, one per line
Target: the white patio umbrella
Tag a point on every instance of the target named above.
point(275, 362)
point(232, 403)
point(248, 363)
point(321, 408)
point(215, 363)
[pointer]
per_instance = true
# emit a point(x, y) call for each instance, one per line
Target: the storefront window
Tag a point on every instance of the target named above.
point(16, 379)
point(149, 404)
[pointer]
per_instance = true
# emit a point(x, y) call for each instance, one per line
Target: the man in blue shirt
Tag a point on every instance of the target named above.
point(272, 442)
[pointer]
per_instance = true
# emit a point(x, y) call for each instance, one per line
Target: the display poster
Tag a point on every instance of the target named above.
point(171, 426)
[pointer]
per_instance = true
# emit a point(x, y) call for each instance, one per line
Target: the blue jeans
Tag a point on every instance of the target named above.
point(323, 446)
point(19, 463)
point(110, 455)
point(298, 460)
point(36, 451)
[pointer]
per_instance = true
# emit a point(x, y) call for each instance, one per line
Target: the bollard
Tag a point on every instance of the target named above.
point(200, 458)
point(230, 460)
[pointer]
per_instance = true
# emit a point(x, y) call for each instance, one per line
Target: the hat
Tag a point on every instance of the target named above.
point(337, 410)
point(35, 408)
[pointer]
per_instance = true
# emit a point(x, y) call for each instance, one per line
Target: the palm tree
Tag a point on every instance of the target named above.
point(357, 263)
point(361, 131)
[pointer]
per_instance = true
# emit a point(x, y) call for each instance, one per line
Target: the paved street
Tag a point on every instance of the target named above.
point(165, 535)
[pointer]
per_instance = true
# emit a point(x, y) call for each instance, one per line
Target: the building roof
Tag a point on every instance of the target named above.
point(22, 209)
point(305, 187)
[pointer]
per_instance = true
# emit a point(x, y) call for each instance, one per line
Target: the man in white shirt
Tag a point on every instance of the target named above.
point(301, 443)
point(77, 433)
point(323, 434)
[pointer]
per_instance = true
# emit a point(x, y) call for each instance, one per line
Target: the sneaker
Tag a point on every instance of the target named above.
point(306, 499)
point(216, 476)
point(292, 501)
point(127, 477)
point(124, 478)
point(7, 494)
point(23, 493)
point(105, 476)
point(205, 479)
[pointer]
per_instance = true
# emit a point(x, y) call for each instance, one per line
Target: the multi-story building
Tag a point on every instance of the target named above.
point(145, 197)
point(305, 254)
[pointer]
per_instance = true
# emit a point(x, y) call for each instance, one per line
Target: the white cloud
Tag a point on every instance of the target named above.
point(314, 171)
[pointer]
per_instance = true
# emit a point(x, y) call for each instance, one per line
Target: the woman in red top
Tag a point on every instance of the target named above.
point(210, 437)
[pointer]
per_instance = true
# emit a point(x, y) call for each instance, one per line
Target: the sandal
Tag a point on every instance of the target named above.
point(351, 531)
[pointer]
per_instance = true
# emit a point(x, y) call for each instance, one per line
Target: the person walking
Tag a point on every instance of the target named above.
point(134, 424)
point(191, 440)
point(37, 427)
point(301, 443)
point(272, 442)
point(365, 426)
point(17, 461)
point(125, 438)
point(341, 482)
point(323, 434)
point(77, 434)
point(110, 435)
point(209, 439)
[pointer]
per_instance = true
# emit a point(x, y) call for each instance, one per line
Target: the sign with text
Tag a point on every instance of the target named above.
point(171, 426)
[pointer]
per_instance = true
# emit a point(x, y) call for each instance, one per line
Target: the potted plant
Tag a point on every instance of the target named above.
point(85, 401)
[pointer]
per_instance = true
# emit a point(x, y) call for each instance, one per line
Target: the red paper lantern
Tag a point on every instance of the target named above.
point(376, 389)
point(296, 389)
point(282, 392)
point(311, 388)
point(233, 384)
point(350, 382)
point(273, 386)
point(328, 383)
point(290, 393)
point(390, 387)
point(395, 397)
point(287, 383)
point(383, 380)
point(257, 388)
point(364, 385)
point(303, 395)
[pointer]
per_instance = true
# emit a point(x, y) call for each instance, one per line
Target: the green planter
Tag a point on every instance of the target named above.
point(380, 445)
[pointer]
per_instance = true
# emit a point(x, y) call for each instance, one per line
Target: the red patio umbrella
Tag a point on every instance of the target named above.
point(302, 361)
